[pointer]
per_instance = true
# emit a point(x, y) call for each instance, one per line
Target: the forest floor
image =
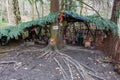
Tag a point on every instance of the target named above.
point(24, 63)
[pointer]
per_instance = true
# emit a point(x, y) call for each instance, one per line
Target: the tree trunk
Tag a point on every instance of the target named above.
point(8, 11)
point(33, 4)
point(16, 11)
point(42, 10)
point(2, 10)
point(81, 7)
point(70, 7)
point(62, 5)
point(115, 9)
point(54, 7)
point(37, 9)
point(114, 40)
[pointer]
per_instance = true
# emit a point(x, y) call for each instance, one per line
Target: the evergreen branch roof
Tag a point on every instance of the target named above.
point(101, 23)
point(14, 31)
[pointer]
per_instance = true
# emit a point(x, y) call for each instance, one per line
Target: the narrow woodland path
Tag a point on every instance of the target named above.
point(25, 63)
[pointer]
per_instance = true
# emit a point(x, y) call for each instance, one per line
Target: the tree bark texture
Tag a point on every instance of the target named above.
point(8, 13)
point(54, 7)
point(56, 34)
point(16, 11)
point(113, 41)
point(115, 9)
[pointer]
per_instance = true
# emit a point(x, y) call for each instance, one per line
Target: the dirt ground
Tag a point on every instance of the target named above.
point(24, 63)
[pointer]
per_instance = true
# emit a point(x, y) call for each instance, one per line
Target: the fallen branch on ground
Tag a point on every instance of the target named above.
point(8, 62)
point(1, 52)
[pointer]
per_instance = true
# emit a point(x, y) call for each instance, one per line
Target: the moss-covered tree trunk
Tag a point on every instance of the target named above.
point(16, 11)
point(54, 7)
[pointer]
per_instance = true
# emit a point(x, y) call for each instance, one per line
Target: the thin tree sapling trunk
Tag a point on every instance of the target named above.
point(16, 11)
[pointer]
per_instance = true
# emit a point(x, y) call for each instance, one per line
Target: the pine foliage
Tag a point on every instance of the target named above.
point(14, 31)
point(103, 23)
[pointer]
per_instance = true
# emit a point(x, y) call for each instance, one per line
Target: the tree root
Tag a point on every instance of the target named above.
point(70, 69)
point(46, 53)
point(100, 78)
point(79, 68)
point(65, 76)
point(83, 71)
